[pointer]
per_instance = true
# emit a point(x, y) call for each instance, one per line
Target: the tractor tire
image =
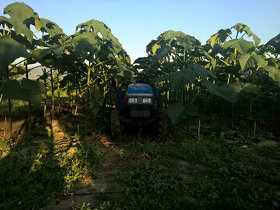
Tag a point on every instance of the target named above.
point(115, 123)
point(163, 121)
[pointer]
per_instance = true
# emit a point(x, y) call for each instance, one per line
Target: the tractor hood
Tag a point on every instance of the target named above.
point(139, 89)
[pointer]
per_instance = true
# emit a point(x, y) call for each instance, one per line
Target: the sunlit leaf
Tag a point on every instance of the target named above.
point(19, 27)
point(241, 45)
point(219, 37)
point(274, 73)
point(240, 27)
point(19, 10)
point(50, 27)
point(252, 60)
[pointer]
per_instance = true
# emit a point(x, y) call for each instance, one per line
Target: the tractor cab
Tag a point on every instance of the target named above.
point(141, 101)
point(137, 104)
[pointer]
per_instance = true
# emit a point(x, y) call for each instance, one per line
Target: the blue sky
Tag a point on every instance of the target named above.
point(136, 23)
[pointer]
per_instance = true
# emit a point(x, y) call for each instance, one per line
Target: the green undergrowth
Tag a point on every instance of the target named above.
point(35, 173)
point(213, 173)
point(208, 174)
point(16, 106)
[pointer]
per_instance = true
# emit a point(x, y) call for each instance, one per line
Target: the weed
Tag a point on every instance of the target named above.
point(153, 186)
point(33, 180)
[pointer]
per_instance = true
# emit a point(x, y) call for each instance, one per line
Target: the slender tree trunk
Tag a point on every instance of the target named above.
point(52, 110)
point(10, 117)
point(88, 96)
point(29, 106)
point(255, 129)
point(76, 101)
point(5, 129)
point(10, 107)
point(45, 99)
point(198, 131)
point(71, 100)
point(58, 91)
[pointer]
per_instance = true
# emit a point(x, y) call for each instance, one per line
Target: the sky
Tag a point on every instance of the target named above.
point(136, 22)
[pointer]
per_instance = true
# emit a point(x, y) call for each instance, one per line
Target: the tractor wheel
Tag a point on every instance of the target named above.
point(163, 121)
point(115, 123)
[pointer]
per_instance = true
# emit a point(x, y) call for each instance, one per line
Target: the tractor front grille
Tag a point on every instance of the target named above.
point(140, 113)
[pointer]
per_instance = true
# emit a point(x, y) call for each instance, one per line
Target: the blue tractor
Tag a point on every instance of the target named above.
point(138, 104)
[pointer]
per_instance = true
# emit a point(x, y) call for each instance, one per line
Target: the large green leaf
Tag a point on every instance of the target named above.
point(274, 72)
point(101, 31)
point(175, 111)
point(209, 57)
point(24, 14)
point(171, 39)
point(32, 90)
point(241, 45)
point(228, 92)
point(39, 54)
point(186, 41)
point(180, 111)
point(250, 88)
point(189, 75)
point(190, 110)
point(163, 51)
point(9, 51)
point(251, 60)
point(274, 44)
point(85, 42)
point(27, 90)
point(94, 39)
point(19, 27)
point(240, 27)
point(50, 27)
point(46, 57)
point(219, 37)
point(11, 89)
point(21, 11)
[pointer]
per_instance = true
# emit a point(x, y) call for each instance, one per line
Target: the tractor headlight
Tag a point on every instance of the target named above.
point(147, 100)
point(132, 100)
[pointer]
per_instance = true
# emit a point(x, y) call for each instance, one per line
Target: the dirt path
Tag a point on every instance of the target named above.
point(94, 191)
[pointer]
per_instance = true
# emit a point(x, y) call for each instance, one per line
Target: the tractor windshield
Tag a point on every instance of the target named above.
point(139, 88)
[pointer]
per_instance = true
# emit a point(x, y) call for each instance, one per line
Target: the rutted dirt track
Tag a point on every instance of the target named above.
point(92, 191)
point(95, 191)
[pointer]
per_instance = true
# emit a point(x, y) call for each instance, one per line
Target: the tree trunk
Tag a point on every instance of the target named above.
point(10, 117)
point(58, 91)
point(52, 110)
point(45, 99)
point(198, 131)
point(10, 107)
point(29, 106)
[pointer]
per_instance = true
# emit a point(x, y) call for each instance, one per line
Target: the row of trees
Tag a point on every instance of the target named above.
point(84, 62)
point(231, 65)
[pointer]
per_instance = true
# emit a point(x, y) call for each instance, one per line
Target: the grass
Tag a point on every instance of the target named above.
point(213, 173)
point(35, 171)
